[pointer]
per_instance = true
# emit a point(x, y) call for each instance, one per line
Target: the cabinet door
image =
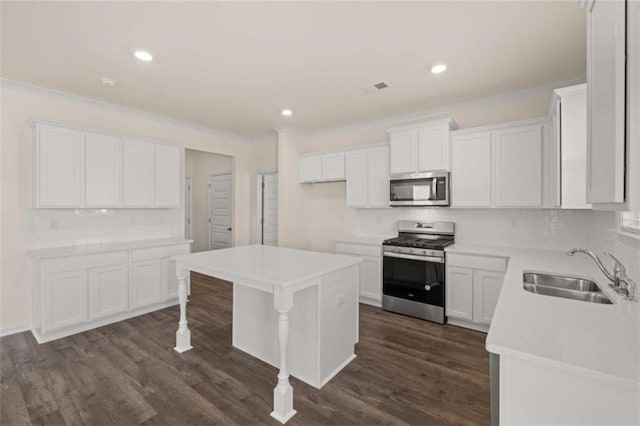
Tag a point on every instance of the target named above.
point(145, 283)
point(356, 164)
point(517, 159)
point(60, 167)
point(169, 279)
point(64, 299)
point(459, 293)
point(333, 166)
point(108, 290)
point(103, 159)
point(551, 154)
point(573, 138)
point(370, 279)
point(433, 148)
point(403, 146)
point(378, 177)
point(606, 86)
point(167, 176)
point(471, 170)
point(486, 290)
point(310, 169)
point(139, 171)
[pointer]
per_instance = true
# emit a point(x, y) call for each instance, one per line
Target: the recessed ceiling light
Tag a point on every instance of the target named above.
point(286, 112)
point(437, 69)
point(107, 82)
point(143, 55)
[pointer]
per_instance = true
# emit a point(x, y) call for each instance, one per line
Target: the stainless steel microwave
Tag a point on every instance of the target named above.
point(419, 189)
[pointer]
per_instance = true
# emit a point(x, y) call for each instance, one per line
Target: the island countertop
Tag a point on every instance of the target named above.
point(596, 340)
point(277, 266)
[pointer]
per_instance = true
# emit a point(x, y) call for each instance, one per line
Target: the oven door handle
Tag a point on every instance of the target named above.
point(414, 257)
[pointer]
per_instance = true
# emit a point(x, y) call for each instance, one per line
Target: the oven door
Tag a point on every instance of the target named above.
point(416, 278)
point(419, 189)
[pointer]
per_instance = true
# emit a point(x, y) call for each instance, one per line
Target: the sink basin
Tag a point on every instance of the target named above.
point(565, 287)
point(559, 281)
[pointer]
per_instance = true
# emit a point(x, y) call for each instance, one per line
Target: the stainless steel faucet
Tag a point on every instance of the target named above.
point(620, 282)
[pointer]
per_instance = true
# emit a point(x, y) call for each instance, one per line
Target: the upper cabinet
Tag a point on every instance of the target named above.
point(59, 167)
point(420, 148)
point(606, 64)
point(103, 161)
point(368, 177)
point(88, 169)
point(325, 167)
point(567, 164)
point(497, 166)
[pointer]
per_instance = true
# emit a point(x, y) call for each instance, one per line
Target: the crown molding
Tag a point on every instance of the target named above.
point(450, 109)
point(19, 85)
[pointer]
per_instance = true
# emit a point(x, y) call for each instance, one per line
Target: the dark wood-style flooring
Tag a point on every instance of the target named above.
point(407, 371)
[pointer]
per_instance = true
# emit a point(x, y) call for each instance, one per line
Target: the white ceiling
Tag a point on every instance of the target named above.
point(233, 66)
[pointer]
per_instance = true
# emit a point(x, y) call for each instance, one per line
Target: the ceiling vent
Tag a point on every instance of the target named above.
point(374, 88)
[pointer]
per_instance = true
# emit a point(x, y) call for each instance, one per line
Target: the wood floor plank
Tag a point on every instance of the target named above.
point(407, 371)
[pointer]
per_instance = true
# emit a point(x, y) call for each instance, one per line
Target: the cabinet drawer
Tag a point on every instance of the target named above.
point(358, 249)
point(159, 252)
point(488, 263)
point(83, 262)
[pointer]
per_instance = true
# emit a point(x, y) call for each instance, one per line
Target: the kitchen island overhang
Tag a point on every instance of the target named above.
point(296, 310)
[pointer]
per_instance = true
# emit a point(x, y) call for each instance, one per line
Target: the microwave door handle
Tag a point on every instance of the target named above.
point(434, 188)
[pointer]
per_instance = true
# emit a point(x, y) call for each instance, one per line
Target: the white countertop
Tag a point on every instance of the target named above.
point(595, 340)
point(81, 249)
point(366, 240)
point(274, 266)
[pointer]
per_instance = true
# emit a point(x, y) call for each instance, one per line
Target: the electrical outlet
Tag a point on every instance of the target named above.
point(340, 299)
point(52, 224)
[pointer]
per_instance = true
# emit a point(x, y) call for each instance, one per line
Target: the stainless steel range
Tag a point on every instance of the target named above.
point(414, 269)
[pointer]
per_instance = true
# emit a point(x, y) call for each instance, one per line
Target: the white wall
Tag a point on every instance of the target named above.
point(199, 165)
point(19, 103)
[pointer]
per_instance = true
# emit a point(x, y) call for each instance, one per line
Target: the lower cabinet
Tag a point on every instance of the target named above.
point(145, 282)
point(71, 294)
point(370, 281)
point(108, 290)
point(473, 287)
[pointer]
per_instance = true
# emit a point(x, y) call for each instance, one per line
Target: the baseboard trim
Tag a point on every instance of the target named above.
point(469, 325)
point(370, 301)
point(14, 329)
point(337, 370)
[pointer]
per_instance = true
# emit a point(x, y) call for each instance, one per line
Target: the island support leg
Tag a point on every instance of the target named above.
point(283, 392)
point(183, 335)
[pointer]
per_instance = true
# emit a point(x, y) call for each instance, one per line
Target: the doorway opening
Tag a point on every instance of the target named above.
point(267, 209)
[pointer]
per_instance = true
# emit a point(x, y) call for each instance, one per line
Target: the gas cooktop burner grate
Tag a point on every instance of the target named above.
point(439, 243)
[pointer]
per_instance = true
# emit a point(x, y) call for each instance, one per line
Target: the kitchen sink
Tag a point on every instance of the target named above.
point(564, 286)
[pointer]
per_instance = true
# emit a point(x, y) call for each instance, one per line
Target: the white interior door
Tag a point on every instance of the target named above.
point(188, 209)
point(269, 210)
point(220, 211)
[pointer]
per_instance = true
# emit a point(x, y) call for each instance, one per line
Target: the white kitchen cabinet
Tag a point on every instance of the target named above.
point(568, 165)
point(59, 167)
point(108, 286)
point(517, 157)
point(420, 148)
point(403, 148)
point(139, 173)
point(486, 289)
point(367, 173)
point(103, 170)
point(551, 158)
point(606, 89)
point(370, 275)
point(473, 288)
point(65, 299)
point(310, 169)
point(459, 293)
point(145, 283)
point(74, 293)
point(167, 176)
point(333, 166)
point(498, 165)
point(471, 170)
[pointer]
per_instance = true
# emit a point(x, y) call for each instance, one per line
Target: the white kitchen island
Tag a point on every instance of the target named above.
point(294, 309)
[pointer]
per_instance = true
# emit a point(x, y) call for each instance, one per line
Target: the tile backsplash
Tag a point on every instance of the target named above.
point(63, 227)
